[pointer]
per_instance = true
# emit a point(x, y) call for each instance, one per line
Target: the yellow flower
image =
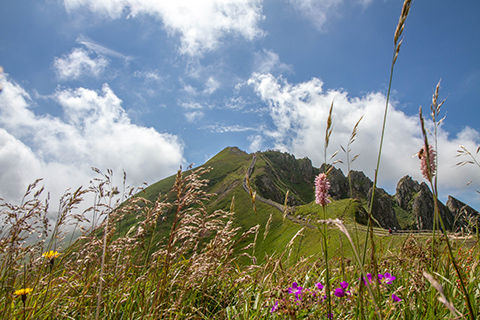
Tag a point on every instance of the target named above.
point(23, 292)
point(50, 254)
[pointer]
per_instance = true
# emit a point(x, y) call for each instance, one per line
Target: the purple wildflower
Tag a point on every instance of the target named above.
point(296, 290)
point(344, 285)
point(380, 277)
point(319, 286)
point(330, 315)
point(369, 277)
point(389, 278)
point(274, 307)
point(321, 189)
point(339, 292)
point(395, 298)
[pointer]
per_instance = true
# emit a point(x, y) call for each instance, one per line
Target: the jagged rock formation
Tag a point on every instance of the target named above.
point(382, 209)
point(412, 200)
point(418, 200)
point(465, 216)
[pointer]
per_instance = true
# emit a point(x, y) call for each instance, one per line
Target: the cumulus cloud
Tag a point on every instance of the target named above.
point(299, 113)
point(77, 64)
point(94, 130)
point(200, 24)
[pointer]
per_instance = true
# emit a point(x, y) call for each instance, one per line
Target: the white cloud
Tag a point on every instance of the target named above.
point(93, 131)
point(299, 114)
point(211, 86)
point(101, 50)
point(193, 116)
point(318, 11)
point(79, 63)
point(201, 24)
point(268, 62)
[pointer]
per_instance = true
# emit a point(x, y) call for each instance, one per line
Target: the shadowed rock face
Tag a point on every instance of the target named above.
point(465, 216)
point(382, 209)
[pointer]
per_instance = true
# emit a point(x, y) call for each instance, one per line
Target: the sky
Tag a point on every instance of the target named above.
point(147, 86)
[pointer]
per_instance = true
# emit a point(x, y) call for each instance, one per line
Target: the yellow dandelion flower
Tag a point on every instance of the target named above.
point(23, 292)
point(50, 254)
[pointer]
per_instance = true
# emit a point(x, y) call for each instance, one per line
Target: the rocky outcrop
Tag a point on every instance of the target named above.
point(465, 216)
point(406, 190)
point(414, 201)
point(338, 182)
point(382, 209)
point(361, 184)
point(423, 208)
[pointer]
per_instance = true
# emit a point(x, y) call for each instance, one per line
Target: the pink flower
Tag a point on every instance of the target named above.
point(423, 161)
point(321, 189)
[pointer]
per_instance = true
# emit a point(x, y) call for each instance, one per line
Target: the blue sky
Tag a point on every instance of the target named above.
point(147, 85)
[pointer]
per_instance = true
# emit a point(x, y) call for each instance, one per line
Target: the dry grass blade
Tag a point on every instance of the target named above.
point(442, 297)
point(329, 129)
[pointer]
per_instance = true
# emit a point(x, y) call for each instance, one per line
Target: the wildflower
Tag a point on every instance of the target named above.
point(274, 307)
point(319, 286)
point(423, 162)
point(23, 293)
point(369, 277)
point(341, 292)
point(395, 298)
point(330, 315)
point(295, 289)
point(321, 189)
point(389, 278)
point(51, 255)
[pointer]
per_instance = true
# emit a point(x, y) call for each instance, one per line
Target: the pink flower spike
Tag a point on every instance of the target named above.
point(321, 189)
point(423, 161)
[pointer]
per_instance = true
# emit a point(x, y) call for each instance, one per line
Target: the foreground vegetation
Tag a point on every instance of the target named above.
point(188, 254)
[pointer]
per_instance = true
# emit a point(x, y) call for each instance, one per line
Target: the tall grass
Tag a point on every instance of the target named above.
point(206, 267)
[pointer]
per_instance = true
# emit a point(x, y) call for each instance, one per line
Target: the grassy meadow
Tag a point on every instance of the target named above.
point(198, 246)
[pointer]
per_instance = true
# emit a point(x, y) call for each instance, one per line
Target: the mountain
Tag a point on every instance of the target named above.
point(272, 174)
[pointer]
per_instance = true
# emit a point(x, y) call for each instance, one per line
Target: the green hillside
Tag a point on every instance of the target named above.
point(228, 169)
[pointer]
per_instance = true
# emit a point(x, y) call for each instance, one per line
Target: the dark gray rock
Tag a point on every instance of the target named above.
point(382, 209)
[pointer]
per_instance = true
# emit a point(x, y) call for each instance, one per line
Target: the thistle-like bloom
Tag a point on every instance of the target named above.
point(296, 290)
point(395, 298)
point(423, 161)
point(321, 189)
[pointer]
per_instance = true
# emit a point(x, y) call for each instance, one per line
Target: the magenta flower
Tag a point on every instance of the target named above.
point(321, 189)
point(395, 298)
point(319, 286)
point(389, 278)
point(339, 292)
point(369, 277)
point(296, 290)
point(423, 161)
point(274, 308)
